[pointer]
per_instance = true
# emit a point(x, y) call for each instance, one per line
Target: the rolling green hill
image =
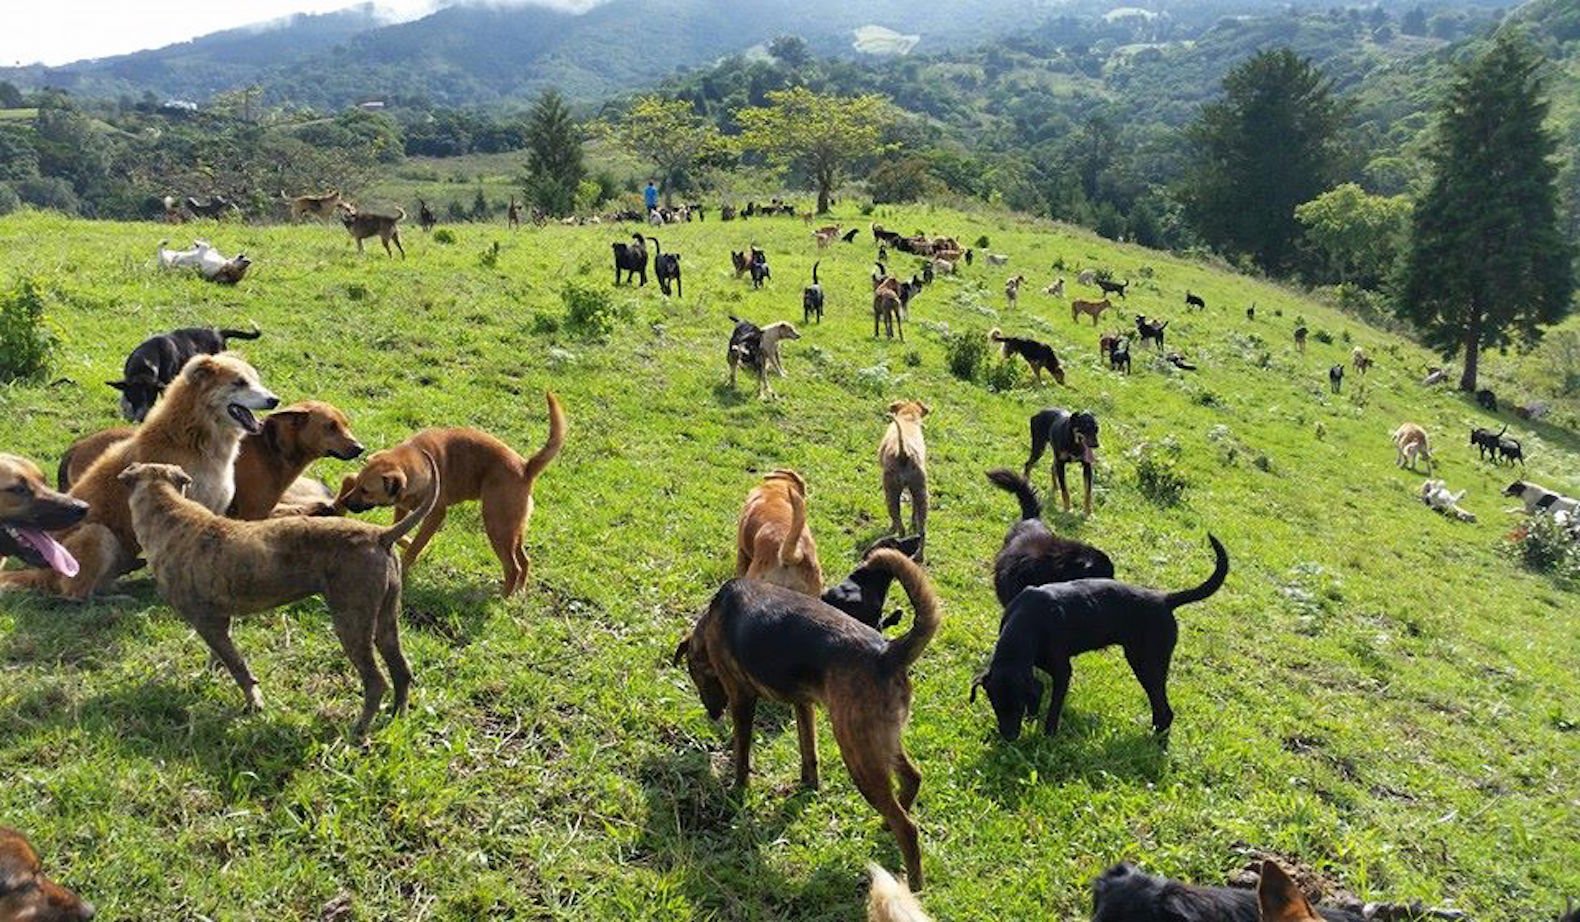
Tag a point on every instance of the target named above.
point(1378, 693)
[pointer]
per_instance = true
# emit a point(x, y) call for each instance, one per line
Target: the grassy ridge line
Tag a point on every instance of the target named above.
point(1376, 691)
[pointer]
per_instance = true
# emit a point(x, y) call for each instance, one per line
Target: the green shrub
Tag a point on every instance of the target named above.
point(1001, 375)
point(26, 343)
point(1158, 475)
point(966, 354)
point(9, 201)
point(444, 235)
point(1323, 336)
point(590, 312)
point(1543, 545)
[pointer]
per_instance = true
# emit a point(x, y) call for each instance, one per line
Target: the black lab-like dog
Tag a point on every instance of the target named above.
point(1048, 626)
point(1074, 438)
point(1125, 893)
point(158, 359)
point(1032, 554)
point(667, 267)
point(863, 592)
point(630, 258)
point(812, 298)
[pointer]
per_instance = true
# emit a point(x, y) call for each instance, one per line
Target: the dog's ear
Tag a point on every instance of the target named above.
point(394, 484)
point(895, 407)
point(118, 385)
point(199, 369)
point(925, 408)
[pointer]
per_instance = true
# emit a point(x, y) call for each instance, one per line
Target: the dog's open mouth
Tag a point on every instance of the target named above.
point(244, 418)
point(38, 549)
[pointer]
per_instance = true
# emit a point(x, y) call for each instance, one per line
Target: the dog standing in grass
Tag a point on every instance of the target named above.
point(902, 456)
point(1409, 443)
point(772, 540)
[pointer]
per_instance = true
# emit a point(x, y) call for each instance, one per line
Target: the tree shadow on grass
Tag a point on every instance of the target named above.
point(1078, 751)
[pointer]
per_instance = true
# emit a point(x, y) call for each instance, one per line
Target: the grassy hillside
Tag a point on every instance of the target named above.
point(1377, 692)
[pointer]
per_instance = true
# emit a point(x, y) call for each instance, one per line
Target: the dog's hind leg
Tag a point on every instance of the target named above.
point(355, 629)
point(891, 496)
point(919, 512)
point(1060, 672)
point(1150, 663)
point(910, 778)
point(386, 636)
point(502, 522)
point(806, 738)
point(742, 712)
point(396, 237)
point(215, 631)
point(1060, 482)
point(870, 749)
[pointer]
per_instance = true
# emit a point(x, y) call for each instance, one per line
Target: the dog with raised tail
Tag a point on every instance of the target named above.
point(812, 298)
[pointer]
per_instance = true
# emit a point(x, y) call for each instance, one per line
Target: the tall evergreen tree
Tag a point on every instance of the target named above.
point(1488, 261)
point(554, 155)
point(1268, 145)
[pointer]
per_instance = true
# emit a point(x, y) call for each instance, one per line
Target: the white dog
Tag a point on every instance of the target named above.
point(1538, 498)
point(773, 334)
point(1436, 495)
point(183, 259)
point(997, 259)
point(209, 262)
point(1087, 277)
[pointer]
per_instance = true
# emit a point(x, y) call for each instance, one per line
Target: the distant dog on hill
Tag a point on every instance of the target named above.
point(1038, 355)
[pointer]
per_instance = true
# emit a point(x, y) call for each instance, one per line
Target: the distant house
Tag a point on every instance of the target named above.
point(371, 105)
point(179, 105)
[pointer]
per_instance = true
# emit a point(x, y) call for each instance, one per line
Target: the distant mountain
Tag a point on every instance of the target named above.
point(479, 54)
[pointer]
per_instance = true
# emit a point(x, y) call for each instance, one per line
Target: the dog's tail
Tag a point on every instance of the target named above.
point(790, 547)
point(657, 250)
point(1011, 482)
point(888, 900)
point(400, 213)
point(253, 333)
point(1503, 430)
point(556, 440)
point(814, 271)
point(400, 529)
point(1214, 582)
point(906, 650)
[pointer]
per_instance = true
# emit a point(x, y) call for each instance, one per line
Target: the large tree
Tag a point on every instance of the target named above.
point(1356, 237)
point(670, 135)
point(820, 135)
point(1270, 144)
point(1488, 262)
point(554, 155)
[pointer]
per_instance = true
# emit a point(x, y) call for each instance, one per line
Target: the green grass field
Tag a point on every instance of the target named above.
point(1378, 692)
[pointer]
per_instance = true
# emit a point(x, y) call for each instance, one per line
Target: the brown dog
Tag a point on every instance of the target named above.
point(211, 568)
point(362, 225)
point(1093, 309)
point(29, 511)
point(473, 465)
point(268, 464)
point(26, 895)
point(902, 456)
point(772, 540)
point(757, 640)
point(318, 206)
point(197, 427)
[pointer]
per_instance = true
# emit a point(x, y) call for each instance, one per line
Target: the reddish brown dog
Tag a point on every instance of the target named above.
point(26, 895)
point(473, 465)
point(772, 540)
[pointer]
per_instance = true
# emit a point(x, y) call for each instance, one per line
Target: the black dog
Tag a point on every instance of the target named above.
point(666, 266)
point(425, 216)
point(1032, 555)
point(1038, 355)
point(1150, 330)
point(1250, 312)
point(850, 235)
point(1509, 450)
point(1119, 355)
point(1486, 442)
point(1113, 288)
point(630, 258)
point(1193, 300)
point(812, 298)
point(1125, 893)
point(746, 348)
point(1179, 361)
point(158, 359)
point(1074, 438)
point(216, 207)
point(1047, 626)
point(862, 594)
point(1488, 400)
point(1336, 378)
point(759, 268)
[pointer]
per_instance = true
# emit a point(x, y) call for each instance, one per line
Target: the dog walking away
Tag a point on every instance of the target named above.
point(1409, 443)
point(472, 465)
point(1485, 441)
point(1336, 378)
point(666, 266)
point(197, 427)
point(888, 900)
point(902, 457)
point(1032, 555)
point(1125, 893)
point(630, 258)
point(211, 569)
point(158, 359)
point(26, 895)
point(812, 298)
point(362, 225)
point(761, 640)
point(1038, 355)
point(772, 540)
point(1048, 626)
point(1074, 438)
point(29, 511)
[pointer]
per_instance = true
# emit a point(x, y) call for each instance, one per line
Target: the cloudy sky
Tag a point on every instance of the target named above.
point(60, 31)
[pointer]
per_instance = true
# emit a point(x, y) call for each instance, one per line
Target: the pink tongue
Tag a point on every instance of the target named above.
point(1087, 456)
point(58, 558)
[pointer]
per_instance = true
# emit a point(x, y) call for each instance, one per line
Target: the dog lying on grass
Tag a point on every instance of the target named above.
point(211, 569)
point(26, 895)
point(1048, 626)
point(757, 640)
point(1124, 893)
point(1436, 495)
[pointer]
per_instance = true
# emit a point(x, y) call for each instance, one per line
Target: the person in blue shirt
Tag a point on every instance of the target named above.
point(650, 196)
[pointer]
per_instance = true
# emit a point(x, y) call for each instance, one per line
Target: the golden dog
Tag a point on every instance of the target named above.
point(772, 540)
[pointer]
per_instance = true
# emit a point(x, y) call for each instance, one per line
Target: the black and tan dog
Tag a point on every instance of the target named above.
point(1032, 554)
point(1125, 893)
point(1047, 626)
point(758, 640)
point(1038, 355)
point(30, 510)
point(26, 895)
point(1074, 438)
point(157, 360)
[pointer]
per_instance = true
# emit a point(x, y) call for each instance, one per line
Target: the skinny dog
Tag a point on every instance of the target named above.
point(1037, 355)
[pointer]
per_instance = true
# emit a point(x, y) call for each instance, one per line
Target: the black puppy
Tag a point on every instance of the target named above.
point(1150, 331)
point(1486, 442)
point(812, 298)
point(158, 359)
point(1032, 555)
point(759, 268)
point(1047, 626)
point(1336, 377)
point(1487, 399)
point(667, 267)
point(1125, 893)
point(1074, 438)
point(630, 258)
point(863, 592)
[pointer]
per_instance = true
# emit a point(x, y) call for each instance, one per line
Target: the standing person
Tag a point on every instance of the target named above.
point(650, 196)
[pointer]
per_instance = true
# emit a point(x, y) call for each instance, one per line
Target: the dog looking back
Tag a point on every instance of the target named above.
point(758, 640)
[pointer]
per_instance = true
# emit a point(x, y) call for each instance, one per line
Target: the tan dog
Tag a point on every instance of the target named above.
point(268, 464)
point(773, 334)
point(772, 540)
point(211, 569)
point(198, 427)
point(362, 225)
point(1093, 309)
point(1410, 442)
point(888, 900)
point(1012, 288)
point(473, 465)
point(1278, 898)
point(29, 511)
point(26, 895)
point(902, 456)
point(317, 206)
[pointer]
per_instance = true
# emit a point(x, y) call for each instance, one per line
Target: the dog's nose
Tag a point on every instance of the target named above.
point(271, 403)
